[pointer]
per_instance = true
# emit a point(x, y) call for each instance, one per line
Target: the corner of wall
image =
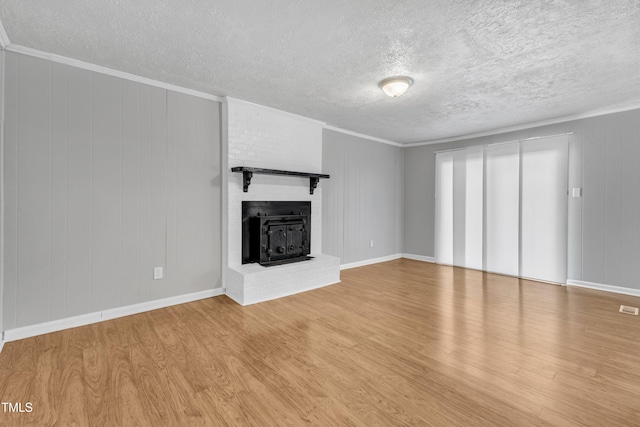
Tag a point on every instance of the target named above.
point(224, 217)
point(2, 62)
point(402, 200)
point(4, 38)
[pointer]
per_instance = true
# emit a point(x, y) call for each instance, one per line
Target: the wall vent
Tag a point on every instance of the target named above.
point(628, 310)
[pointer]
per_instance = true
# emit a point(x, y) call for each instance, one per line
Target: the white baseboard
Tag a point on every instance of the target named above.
point(419, 258)
point(606, 288)
point(369, 261)
point(100, 316)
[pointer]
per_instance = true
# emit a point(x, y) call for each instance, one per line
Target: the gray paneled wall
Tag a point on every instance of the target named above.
point(104, 179)
point(604, 225)
point(363, 199)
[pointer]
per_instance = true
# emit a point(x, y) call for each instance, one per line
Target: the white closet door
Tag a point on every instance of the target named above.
point(444, 208)
point(543, 247)
point(502, 208)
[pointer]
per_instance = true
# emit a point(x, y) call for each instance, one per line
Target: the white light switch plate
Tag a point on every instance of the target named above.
point(158, 273)
point(576, 192)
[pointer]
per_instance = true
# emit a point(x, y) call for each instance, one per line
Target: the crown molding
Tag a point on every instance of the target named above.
point(361, 135)
point(109, 71)
point(530, 125)
point(4, 38)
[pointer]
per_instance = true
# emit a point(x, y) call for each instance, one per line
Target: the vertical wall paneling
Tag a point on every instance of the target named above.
point(362, 199)
point(419, 201)
point(104, 179)
point(628, 202)
point(209, 115)
point(185, 193)
point(79, 192)
point(34, 190)
point(574, 218)
point(130, 194)
point(333, 200)
point(158, 201)
point(10, 172)
point(170, 273)
point(201, 211)
point(352, 191)
point(613, 199)
point(146, 266)
point(107, 198)
point(594, 137)
point(198, 253)
point(58, 302)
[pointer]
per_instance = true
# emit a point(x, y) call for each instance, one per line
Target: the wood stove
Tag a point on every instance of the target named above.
point(275, 233)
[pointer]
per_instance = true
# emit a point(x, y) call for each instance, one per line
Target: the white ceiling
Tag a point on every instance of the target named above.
point(477, 65)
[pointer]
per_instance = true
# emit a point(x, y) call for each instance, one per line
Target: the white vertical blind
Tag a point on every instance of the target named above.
point(543, 247)
point(459, 206)
point(502, 208)
point(459, 211)
point(473, 246)
point(444, 211)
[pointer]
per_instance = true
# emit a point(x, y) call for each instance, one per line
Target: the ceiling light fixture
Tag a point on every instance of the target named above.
point(395, 86)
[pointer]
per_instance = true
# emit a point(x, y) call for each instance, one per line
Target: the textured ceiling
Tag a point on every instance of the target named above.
point(477, 65)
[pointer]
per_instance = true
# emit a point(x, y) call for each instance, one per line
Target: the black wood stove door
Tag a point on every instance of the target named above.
point(295, 235)
point(282, 238)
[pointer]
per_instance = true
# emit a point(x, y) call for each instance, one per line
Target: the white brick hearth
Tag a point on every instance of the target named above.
point(266, 138)
point(252, 283)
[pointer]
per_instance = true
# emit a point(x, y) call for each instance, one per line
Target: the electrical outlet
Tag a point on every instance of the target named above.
point(158, 273)
point(370, 243)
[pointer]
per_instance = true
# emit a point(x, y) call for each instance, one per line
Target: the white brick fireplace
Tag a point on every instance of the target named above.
point(262, 137)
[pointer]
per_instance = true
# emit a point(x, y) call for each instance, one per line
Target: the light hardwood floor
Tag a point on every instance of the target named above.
point(397, 343)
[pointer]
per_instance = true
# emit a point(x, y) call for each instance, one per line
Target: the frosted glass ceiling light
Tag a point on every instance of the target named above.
point(395, 86)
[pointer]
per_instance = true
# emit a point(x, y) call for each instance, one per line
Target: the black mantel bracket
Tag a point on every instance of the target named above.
point(247, 174)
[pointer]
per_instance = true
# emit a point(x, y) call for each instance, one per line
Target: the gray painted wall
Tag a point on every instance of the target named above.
point(363, 199)
point(104, 179)
point(604, 225)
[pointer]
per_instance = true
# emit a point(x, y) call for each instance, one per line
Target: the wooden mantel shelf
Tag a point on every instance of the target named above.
point(247, 174)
